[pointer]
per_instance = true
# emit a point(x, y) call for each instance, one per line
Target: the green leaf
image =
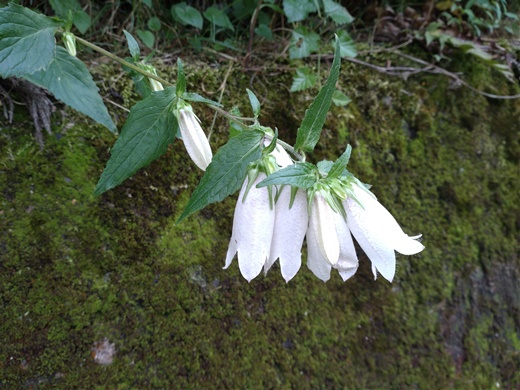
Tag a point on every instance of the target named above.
point(303, 43)
point(147, 37)
point(67, 8)
point(303, 79)
point(27, 42)
point(196, 98)
point(226, 172)
point(340, 99)
point(264, 31)
point(255, 104)
point(82, 21)
point(346, 44)
point(235, 128)
point(69, 80)
point(297, 10)
point(337, 12)
point(301, 175)
point(310, 129)
point(149, 129)
point(187, 15)
point(339, 165)
point(154, 23)
point(133, 46)
point(218, 18)
point(63, 8)
point(148, 3)
point(181, 78)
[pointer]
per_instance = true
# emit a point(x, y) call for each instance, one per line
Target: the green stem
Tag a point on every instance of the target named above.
point(239, 120)
point(121, 61)
point(289, 148)
point(234, 118)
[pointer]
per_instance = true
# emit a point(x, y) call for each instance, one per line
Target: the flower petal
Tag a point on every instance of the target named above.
point(347, 252)
point(407, 245)
point(315, 260)
point(366, 226)
point(289, 231)
point(195, 141)
point(402, 243)
point(347, 273)
point(282, 157)
point(348, 261)
point(321, 222)
point(253, 226)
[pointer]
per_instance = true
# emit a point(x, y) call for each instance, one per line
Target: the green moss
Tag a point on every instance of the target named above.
point(76, 269)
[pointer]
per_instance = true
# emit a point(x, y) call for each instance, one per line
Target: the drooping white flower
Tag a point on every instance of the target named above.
point(263, 233)
point(374, 228)
point(253, 226)
point(377, 232)
point(195, 141)
point(288, 234)
point(329, 243)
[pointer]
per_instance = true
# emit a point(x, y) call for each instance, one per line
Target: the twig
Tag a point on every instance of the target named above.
point(222, 89)
point(117, 105)
point(439, 70)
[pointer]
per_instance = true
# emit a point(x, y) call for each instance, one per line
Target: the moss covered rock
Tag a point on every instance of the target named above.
point(109, 291)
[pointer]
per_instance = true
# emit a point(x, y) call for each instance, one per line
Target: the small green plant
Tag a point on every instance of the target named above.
point(476, 15)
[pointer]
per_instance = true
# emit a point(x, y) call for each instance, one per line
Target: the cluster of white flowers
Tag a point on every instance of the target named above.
point(265, 230)
point(262, 233)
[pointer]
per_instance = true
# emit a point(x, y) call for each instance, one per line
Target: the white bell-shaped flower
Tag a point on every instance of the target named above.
point(195, 141)
point(253, 226)
point(289, 232)
point(329, 237)
point(377, 232)
point(329, 243)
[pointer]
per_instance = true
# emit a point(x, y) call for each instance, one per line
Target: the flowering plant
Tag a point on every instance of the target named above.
point(283, 198)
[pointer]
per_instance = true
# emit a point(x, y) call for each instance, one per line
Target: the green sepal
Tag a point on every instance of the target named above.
point(301, 175)
point(255, 104)
point(272, 146)
point(339, 166)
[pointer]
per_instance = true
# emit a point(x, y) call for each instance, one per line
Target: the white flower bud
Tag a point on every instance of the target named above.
point(195, 141)
point(70, 43)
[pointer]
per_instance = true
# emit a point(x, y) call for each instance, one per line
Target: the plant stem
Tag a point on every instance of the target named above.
point(122, 61)
point(232, 117)
point(289, 148)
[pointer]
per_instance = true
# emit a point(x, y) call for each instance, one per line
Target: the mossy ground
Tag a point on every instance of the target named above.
point(77, 269)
